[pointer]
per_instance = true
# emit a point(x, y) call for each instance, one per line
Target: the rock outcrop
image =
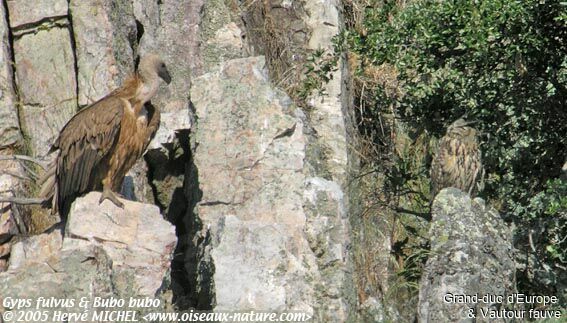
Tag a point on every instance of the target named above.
point(103, 46)
point(105, 252)
point(471, 254)
point(11, 222)
point(273, 238)
point(44, 69)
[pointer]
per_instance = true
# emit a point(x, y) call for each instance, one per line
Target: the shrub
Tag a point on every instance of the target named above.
point(502, 63)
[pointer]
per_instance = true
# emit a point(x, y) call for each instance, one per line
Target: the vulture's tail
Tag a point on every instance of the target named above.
point(49, 188)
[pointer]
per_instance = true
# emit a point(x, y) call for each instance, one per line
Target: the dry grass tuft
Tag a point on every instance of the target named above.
point(390, 245)
point(283, 35)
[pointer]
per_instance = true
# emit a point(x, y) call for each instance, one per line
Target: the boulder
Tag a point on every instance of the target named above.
point(471, 254)
point(137, 239)
point(43, 248)
point(69, 275)
point(106, 252)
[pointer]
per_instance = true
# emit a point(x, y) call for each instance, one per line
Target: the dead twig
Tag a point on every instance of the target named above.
point(19, 220)
point(25, 158)
point(22, 200)
point(13, 174)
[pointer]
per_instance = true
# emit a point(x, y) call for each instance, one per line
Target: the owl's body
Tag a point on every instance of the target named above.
point(457, 162)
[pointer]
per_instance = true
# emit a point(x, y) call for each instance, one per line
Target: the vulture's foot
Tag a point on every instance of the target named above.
point(108, 194)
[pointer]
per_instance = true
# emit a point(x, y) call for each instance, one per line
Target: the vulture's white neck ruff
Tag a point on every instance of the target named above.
point(147, 89)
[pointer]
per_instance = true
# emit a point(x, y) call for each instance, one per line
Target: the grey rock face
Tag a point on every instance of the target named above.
point(38, 249)
point(328, 235)
point(104, 34)
point(47, 86)
point(255, 208)
point(8, 228)
point(9, 126)
point(70, 274)
point(170, 28)
point(11, 172)
point(222, 37)
point(471, 254)
point(253, 128)
point(44, 69)
point(27, 12)
point(327, 116)
point(276, 239)
point(250, 148)
point(261, 287)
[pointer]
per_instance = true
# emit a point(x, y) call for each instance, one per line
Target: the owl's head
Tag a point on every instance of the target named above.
point(461, 129)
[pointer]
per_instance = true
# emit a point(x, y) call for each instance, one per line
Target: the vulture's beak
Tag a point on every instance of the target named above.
point(164, 74)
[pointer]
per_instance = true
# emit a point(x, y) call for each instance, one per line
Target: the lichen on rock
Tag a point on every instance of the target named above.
point(471, 254)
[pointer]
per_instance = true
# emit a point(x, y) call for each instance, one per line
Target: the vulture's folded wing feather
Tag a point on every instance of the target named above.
point(84, 141)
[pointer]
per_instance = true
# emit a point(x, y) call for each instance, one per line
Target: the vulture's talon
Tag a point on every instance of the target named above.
point(108, 194)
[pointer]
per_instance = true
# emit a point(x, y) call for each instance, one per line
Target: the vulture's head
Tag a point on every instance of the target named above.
point(151, 66)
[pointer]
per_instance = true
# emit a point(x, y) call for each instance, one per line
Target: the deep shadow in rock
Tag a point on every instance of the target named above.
point(192, 259)
point(174, 180)
point(166, 172)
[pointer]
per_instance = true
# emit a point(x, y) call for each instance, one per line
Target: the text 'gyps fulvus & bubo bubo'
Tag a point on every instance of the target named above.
point(100, 144)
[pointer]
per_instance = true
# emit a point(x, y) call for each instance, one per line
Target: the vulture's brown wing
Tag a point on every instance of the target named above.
point(83, 143)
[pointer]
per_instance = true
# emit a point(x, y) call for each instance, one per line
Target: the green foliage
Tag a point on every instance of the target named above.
point(500, 62)
point(551, 204)
point(318, 70)
point(543, 233)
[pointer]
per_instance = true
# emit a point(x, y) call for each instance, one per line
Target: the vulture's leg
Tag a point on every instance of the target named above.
point(107, 193)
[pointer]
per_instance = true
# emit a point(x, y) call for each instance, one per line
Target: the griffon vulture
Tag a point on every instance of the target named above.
point(98, 146)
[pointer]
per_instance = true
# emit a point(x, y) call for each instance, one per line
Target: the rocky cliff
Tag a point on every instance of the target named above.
point(245, 197)
point(254, 185)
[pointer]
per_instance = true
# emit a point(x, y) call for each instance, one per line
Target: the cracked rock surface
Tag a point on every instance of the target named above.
point(254, 207)
point(254, 187)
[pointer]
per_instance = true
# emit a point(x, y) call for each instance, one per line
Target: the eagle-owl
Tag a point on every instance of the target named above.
point(457, 162)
